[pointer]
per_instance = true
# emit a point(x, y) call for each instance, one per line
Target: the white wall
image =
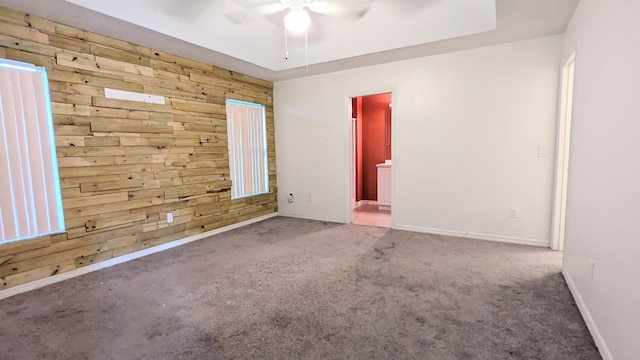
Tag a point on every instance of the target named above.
point(603, 205)
point(467, 126)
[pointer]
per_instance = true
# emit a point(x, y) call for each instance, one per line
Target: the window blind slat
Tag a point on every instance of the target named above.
point(6, 202)
point(27, 130)
point(56, 213)
point(14, 151)
point(38, 150)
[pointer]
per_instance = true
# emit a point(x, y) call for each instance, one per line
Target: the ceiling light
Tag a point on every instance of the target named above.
point(297, 20)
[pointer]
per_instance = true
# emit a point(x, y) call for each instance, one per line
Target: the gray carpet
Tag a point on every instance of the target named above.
point(299, 289)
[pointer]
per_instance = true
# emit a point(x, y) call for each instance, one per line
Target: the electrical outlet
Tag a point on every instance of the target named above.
point(309, 198)
point(169, 217)
point(543, 151)
point(514, 212)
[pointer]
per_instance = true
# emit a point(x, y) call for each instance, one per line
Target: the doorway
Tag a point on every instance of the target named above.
point(371, 124)
point(562, 155)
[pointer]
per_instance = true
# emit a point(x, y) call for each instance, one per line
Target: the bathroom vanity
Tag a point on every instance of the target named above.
point(384, 185)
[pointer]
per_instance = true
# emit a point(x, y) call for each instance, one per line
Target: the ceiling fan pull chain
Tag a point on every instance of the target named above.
point(306, 52)
point(286, 45)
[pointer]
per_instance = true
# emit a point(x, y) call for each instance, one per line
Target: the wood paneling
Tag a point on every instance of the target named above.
point(123, 165)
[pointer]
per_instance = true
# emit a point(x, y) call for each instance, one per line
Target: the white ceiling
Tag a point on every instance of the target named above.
point(227, 34)
point(230, 27)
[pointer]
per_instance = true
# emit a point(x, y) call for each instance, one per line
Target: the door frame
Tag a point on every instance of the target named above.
point(350, 158)
point(563, 146)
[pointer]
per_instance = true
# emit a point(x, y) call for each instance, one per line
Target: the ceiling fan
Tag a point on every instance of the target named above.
point(297, 19)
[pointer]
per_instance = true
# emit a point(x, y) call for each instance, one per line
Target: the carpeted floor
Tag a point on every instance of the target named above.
point(298, 289)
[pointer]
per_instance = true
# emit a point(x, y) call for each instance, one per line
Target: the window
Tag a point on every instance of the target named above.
point(30, 204)
point(247, 133)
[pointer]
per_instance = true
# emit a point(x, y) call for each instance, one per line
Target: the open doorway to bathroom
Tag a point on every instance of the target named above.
point(371, 118)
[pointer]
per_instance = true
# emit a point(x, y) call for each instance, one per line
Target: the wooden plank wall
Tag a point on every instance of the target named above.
point(123, 164)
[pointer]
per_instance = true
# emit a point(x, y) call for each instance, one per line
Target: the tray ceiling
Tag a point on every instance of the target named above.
point(227, 34)
point(230, 27)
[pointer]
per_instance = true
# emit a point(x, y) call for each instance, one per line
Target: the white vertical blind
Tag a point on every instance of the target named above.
point(247, 133)
point(30, 201)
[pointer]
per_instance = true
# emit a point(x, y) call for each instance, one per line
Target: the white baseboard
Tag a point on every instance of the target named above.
point(339, 221)
point(124, 258)
point(471, 235)
point(588, 319)
point(365, 202)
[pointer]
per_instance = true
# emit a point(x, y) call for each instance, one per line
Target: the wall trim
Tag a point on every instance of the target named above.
point(588, 319)
point(124, 258)
point(364, 202)
point(339, 221)
point(477, 236)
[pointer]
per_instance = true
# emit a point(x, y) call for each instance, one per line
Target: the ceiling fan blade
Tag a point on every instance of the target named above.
point(253, 9)
point(237, 17)
point(409, 7)
point(187, 10)
point(333, 8)
point(268, 9)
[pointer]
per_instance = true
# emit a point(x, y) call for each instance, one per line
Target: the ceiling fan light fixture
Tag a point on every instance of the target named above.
point(297, 20)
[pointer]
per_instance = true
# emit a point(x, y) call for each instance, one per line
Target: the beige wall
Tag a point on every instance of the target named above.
point(602, 238)
point(466, 131)
point(123, 165)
